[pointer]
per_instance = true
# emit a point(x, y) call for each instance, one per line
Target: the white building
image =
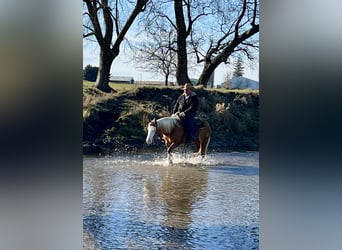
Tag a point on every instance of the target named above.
point(121, 79)
point(241, 83)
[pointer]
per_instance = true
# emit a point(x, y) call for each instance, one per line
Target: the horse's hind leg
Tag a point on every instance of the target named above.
point(204, 146)
point(197, 146)
point(200, 145)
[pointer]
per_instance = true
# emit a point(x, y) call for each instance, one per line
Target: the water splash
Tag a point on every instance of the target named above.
point(161, 160)
point(184, 160)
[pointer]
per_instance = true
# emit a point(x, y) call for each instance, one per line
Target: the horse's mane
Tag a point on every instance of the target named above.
point(168, 123)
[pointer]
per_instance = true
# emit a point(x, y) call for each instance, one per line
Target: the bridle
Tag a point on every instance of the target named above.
point(154, 124)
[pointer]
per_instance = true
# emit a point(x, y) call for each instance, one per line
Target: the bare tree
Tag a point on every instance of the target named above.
point(179, 17)
point(157, 53)
point(108, 22)
point(209, 32)
point(227, 76)
point(235, 37)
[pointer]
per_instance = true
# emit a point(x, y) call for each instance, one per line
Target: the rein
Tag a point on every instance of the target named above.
point(156, 126)
point(158, 133)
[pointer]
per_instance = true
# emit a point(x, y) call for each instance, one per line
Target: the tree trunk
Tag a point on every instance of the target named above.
point(208, 69)
point(166, 82)
point(102, 80)
point(182, 65)
point(182, 68)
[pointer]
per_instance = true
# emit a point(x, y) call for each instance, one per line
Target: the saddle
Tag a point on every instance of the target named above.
point(198, 123)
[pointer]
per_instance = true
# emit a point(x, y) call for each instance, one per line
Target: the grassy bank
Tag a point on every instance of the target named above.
point(117, 122)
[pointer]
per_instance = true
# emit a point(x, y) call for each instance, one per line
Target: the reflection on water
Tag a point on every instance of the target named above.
point(140, 202)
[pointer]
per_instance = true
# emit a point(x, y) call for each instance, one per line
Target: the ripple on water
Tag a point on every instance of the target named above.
point(142, 202)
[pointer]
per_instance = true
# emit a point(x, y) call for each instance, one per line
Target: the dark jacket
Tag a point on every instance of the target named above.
point(188, 106)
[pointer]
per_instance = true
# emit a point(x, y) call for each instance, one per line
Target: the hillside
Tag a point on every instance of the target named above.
point(117, 122)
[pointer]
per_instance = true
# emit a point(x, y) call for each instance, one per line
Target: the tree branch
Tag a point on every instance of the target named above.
point(106, 10)
point(237, 25)
point(92, 8)
point(139, 7)
point(88, 34)
point(254, 12)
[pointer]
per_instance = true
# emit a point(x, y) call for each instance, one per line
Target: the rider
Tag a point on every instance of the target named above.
point(186, 108)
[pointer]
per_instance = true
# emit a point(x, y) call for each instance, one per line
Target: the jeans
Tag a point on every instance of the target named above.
point(189, 127)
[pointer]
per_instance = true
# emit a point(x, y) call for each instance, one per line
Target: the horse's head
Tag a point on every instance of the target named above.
point(151, 131)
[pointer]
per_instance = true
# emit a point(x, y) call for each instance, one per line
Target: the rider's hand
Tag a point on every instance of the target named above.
point(182, 114)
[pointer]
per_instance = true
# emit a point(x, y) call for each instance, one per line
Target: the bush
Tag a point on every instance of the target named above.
point(90, 73)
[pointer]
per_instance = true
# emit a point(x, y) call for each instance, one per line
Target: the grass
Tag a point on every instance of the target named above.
point(120, 87)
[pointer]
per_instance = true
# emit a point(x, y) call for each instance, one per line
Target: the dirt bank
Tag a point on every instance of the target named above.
point(117, 122)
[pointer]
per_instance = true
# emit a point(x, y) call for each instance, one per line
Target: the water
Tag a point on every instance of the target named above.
point(141, 202)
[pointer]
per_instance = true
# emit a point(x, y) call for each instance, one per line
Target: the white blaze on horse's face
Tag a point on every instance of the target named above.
point(151, 131)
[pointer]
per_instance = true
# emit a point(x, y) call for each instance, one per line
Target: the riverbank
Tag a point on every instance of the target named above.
point(117, 122)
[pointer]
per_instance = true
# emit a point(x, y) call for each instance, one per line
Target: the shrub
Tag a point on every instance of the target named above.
point(90, 73)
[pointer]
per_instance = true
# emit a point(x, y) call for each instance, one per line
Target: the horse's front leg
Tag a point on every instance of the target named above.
point(169, 150)
point(169, 154)
point(170, 158)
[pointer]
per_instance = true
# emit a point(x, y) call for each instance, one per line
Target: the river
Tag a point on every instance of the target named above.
point(141, 202)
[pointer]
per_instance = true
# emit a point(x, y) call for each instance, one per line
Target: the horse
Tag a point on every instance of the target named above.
point(174, 135)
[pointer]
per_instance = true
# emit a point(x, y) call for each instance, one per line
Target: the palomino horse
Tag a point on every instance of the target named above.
point(173, 134)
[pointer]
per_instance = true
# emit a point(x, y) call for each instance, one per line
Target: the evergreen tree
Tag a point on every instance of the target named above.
point(238, 68)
